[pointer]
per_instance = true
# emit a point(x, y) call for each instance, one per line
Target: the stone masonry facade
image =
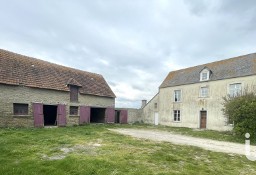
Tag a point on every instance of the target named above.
point(19, 94)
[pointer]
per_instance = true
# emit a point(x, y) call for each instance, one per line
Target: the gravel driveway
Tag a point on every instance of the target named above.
point(208, 144)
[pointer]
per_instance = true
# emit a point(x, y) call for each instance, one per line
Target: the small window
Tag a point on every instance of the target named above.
point(73, 93)
point(204, 92)
point(176, 115)
point(205, 75)
point(177, 95)
point(155, 105)
point(235, 89)
point(20, 109)
point(73, 110)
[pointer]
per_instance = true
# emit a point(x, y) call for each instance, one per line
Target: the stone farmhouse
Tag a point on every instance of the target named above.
point(193, 97)
point(36, 93)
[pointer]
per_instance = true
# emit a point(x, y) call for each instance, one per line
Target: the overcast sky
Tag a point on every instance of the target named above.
point(132, 43)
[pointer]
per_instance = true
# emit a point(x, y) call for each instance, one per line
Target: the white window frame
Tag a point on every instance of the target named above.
point(236, 91)
point(176, 116)
point(202, 73)
point(176, 96)
point(204, 94)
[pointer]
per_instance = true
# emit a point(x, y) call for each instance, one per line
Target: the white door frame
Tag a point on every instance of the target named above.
point(156, 118)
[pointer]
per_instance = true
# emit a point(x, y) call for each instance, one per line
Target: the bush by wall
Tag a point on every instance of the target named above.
point(241, 111)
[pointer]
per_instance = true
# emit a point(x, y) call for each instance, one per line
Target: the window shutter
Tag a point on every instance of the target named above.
point(38, 115)
point(61, 115)
point(85, 112)
point(110, 115)
point(123, 116)
point(73, 93)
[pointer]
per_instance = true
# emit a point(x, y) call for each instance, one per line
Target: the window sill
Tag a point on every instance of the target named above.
point(74, 101)
point(176, 121)
point(204, 80)
point(177, 102)
point(21, 116)
point(74, 116)
point(204, 97)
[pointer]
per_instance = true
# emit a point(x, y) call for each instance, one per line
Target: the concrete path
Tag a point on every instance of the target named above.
point(208, 144)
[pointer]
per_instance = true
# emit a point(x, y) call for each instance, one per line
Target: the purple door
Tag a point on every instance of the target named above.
point(85, 112)
point(38, 114)
point(123, 116)
point(61, 115)
point(110, 115)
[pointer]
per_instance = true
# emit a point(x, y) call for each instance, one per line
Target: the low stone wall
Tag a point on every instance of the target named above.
point(134, 115)
point(24, 121)
point(73, 120)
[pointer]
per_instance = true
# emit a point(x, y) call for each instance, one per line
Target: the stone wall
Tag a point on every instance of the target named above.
point(134, 115)
point(150, 109)
point(20, 94)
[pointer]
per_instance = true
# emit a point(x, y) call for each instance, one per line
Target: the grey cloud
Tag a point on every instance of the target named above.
point(132, 44)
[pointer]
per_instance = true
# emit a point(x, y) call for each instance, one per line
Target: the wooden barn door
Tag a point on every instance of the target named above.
point(38, 114)
point(110, 115)
point(61, 115)
point(123, 116)
point(203, 119)
point(85, 113)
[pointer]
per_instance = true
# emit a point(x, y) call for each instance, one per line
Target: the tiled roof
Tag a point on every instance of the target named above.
point(16, 69)
point(73, 82)
point(230, 68)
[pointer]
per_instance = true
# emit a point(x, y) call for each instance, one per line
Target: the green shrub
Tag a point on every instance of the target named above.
point(241, 111)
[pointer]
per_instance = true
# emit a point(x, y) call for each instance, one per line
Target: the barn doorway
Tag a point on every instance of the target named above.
point(203, 119)
point(117, 116)
point(50, 115)
point(97, 115)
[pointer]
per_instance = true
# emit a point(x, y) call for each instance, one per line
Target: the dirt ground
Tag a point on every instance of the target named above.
point(208, 144)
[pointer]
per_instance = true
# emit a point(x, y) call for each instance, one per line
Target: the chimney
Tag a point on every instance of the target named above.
point(143, 103)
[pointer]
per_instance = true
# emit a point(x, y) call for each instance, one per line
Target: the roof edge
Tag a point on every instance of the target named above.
point(206, 81)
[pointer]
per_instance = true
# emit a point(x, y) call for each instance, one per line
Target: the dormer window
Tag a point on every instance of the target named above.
point(205, 74)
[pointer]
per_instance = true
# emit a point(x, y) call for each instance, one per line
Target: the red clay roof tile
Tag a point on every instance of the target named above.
point(16, 69)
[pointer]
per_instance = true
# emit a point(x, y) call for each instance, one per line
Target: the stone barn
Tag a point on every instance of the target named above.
point(36, 93)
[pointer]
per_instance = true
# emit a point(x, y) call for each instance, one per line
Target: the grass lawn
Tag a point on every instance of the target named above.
point(93, 149)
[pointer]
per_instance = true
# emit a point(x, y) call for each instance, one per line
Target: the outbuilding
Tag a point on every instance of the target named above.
point(38, 93)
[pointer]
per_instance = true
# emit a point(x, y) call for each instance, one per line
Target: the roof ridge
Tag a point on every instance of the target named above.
point(204, 64)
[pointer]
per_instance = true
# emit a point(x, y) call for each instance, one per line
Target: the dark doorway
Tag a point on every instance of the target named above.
point(117, 116)
point(50, 115)
point(203, 118)
point(97, 115)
